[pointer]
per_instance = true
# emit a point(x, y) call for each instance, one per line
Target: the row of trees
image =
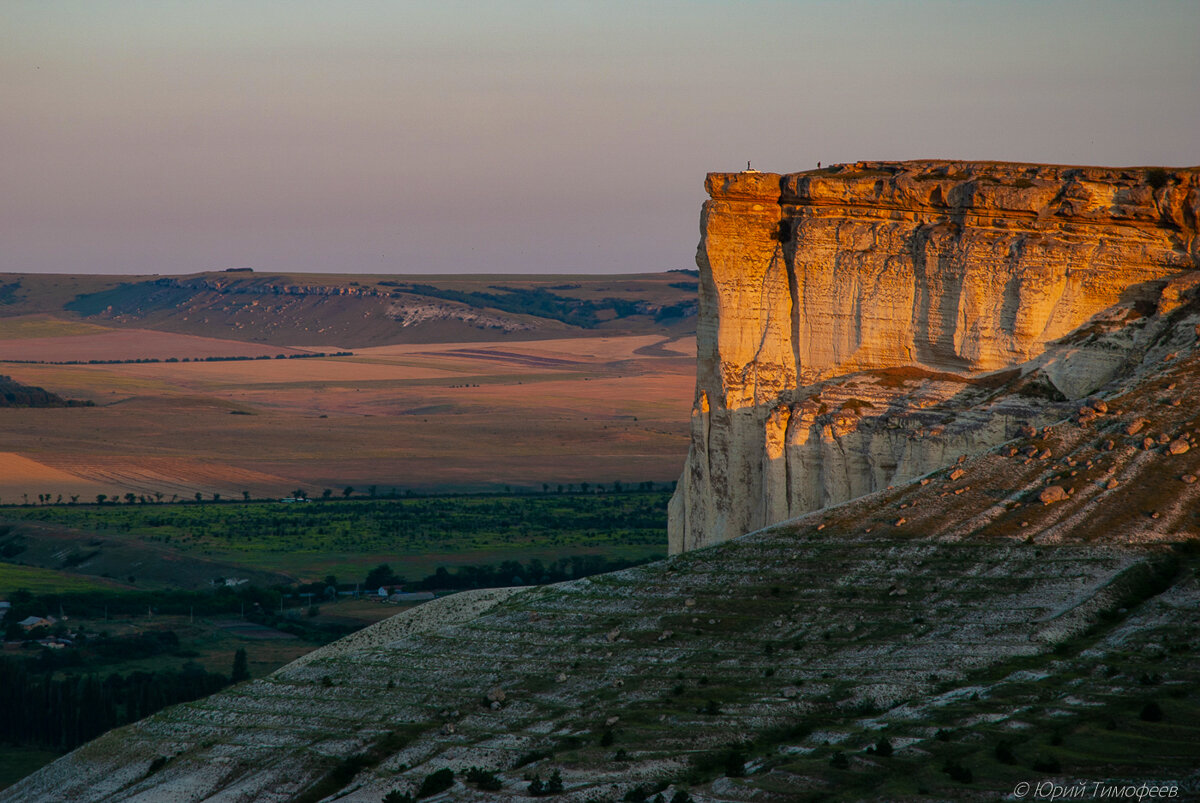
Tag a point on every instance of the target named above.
point(141, 360)
point(158, 497)
point(508, 573)
point(63, 713)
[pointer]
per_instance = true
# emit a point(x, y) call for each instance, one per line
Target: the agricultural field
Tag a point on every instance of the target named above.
point(458, 416)
point(272, 542)
point(39, 580)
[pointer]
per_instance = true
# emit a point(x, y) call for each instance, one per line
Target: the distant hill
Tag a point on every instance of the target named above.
point(14, 394)
point(360, 311)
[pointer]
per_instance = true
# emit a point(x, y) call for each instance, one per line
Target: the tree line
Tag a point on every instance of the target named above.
point(139, 360)
point(507, 573)
point(63, 713)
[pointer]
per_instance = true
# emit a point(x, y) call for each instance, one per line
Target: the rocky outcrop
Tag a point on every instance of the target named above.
point(856, 322)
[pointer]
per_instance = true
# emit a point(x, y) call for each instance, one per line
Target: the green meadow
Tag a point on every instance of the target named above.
point(346, 538)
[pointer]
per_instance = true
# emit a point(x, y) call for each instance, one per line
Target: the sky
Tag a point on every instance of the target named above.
point(529, 137)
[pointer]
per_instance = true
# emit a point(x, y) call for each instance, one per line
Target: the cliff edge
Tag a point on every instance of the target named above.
point(864, 324)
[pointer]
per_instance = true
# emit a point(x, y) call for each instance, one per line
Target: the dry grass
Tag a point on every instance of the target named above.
point(457, 415)
point(45, 326)
point(60, 341)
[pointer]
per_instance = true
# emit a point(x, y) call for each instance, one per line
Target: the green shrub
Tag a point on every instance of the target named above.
point(1152, 712)
point(1046, 764)
point(436, 782)
point(958, 772)
point(482, 779)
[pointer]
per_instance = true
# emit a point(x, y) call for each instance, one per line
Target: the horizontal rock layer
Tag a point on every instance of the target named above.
point(948, 268)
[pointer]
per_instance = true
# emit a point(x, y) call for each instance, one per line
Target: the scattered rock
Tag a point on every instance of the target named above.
point(1178, 446)
point(1135, 426)
point(691, 603)
point(901, 521)
point(1027, 431)
point(613, 634)
point(666, 634)
point(608, 723)
point(1112, 483)
point(1147, 443)
point(496, 695)
point(1108, 445)
point(495, 706)
point(956, 474)
point(1099, 405)
point(448, 728)
point(1045, 454)
point(1051, 494)
point(561, 677)
point(1189, 478)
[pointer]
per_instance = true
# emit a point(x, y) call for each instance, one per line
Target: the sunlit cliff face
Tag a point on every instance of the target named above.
point(936, 267)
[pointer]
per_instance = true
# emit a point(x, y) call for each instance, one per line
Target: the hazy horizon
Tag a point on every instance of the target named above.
point(528, 137)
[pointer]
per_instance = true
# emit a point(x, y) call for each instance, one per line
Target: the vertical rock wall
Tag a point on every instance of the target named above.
point(811, 284)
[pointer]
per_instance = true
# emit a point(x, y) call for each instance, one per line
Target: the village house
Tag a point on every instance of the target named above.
point(30, 622)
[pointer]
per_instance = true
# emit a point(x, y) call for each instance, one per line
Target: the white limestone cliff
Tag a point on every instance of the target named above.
point(945, 271)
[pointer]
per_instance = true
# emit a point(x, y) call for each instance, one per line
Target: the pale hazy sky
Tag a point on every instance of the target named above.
point(524, 136)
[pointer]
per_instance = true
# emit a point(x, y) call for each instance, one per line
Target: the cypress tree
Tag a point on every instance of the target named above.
point(241, 668)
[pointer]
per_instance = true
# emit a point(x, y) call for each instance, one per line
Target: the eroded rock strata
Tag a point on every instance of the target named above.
point(865, 324)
